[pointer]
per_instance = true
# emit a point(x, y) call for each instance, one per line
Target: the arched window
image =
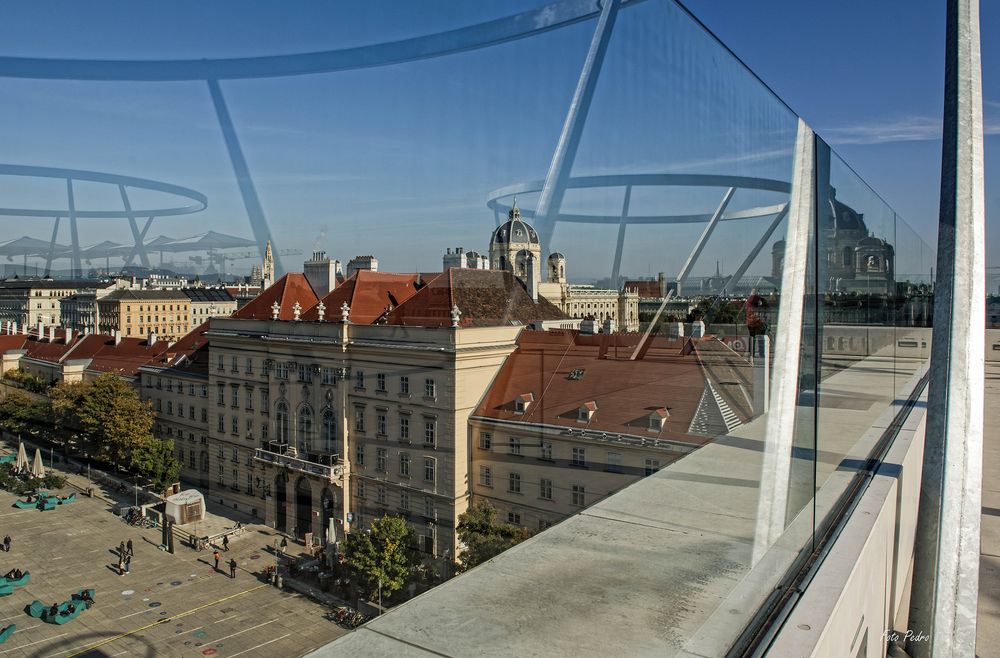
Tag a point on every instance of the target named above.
point(281, 422)
point(305, 429)
point(329, 430)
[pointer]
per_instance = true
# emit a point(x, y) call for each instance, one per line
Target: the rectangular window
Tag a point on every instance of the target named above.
point(404, 385)
point(220, 390)
point(180, 409)
point(221, 453)
point(248, 368)
point(404, 465)
point(159, 404)
point(404, 428)
point(514, 483)
point(281, 370)
point(380, 424)
point(485, 476)
point(652, 466)
point(361, 488)
point(579, 495)
point(485, 441)
point(249, 428)
point(430, 432)
point(204, 390)
point(545, 451)
point(328, 377)
point(170, 408)
point(191, 412)
point(615, 463)
point(264, 429)
point(380, 382)
point(305, 373)
point(429, 469)
point(235, 425)
point(221, 363)
point(545, 489)
point(380, 459)
point(234, 397)
point(514, 518)
point(249, 484)
point(430, 390)
point(265, 400)
point(579, 457)
point(236, 456)
point(222, 423)
point(359, 455)
point(359, 379)
point(380, 495)
point(514, 446)
point(359, 419)
point(191, 390)
point(429, 508)
point(235, 367)
point(204, 415)
point(404, 501)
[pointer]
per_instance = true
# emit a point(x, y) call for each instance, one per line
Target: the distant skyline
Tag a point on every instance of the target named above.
point(399, 161)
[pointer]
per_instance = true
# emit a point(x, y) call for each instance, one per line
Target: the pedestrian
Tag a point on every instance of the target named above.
point(6, 543)
point(121, 549)
point(128, 564)
point(284, 544)
point(232, 568)
point(121, 565)
point(225, 542)
point(128, 548)
point(216, 555)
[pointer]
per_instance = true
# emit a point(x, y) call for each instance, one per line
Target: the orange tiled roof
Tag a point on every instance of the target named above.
point(368, 294)
point(291, 288)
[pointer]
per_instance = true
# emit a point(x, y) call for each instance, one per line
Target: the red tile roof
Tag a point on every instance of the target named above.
point(484, 298)
point(291, 288)
point(565, 372)
point(368, 294)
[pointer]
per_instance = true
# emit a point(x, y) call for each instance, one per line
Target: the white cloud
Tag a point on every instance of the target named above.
point(903, 129)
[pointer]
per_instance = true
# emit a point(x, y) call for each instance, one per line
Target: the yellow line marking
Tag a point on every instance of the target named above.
point(166, 619)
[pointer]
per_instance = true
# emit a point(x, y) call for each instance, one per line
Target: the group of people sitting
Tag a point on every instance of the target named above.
point(14, 574)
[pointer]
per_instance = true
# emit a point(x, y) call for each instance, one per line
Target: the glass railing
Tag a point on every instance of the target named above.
point(699, 301)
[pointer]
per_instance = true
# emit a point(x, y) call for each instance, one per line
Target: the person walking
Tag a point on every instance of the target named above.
point(128, 564)
point(128, 548)
point(225, 542)
point(216, 555)
point(284, 544)
point(232, 568)
point(121, 549)
point(121, 565)
point(6, 543)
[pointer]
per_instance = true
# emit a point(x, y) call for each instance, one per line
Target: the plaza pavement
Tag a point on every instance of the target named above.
point(170, 605)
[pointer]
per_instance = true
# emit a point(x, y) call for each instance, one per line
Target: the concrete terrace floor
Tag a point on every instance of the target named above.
point(988, 627)
point(170, 605)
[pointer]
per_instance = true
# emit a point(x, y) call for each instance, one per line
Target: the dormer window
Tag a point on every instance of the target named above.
point(522, 402)
point(658, 419)
point(586, 412)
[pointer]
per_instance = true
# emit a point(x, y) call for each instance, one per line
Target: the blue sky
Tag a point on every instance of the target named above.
point(400, 161)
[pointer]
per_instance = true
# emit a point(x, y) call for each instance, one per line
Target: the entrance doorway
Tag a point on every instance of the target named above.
point(280, 517)
point(303, 508)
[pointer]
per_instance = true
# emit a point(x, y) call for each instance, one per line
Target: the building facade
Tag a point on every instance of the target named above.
point(30, 301)
point(164, 313)
point(207, 303)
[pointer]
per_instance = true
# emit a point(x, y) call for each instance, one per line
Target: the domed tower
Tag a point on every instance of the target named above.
point(557, 268)
point(508, 242)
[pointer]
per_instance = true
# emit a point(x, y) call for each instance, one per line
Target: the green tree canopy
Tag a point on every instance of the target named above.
point(67, 399)
point(19, 411)
point(385, 553)
point(154, 459)
point(116, 422)
point(484, 537)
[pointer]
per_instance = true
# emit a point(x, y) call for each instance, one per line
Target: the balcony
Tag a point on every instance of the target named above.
point(333, 473)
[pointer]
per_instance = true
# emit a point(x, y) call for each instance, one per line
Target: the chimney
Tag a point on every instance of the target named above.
point(41, 329)
point(151, 340)
point(52, 333)
point(68, 336)
point(118, 337)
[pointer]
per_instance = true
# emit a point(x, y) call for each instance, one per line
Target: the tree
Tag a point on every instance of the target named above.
point(154, 459)
point(67, 399)
point(116, 422)
point(382, 555)
point(483, 537)
point(19, 411)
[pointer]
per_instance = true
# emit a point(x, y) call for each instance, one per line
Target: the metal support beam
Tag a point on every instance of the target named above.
point(255, 213)
point(550, 200)
point(617, 266)
point(136, 236)
point(77, 266)
point(944, 601)
point(772, 503)
point(752, 256)
point(52, 247)
point(699, 246)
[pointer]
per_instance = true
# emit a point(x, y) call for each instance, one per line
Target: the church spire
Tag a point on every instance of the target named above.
point(267, 271)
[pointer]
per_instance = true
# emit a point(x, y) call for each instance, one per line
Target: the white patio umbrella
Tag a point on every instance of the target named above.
point(21, 465)
point(37, 470)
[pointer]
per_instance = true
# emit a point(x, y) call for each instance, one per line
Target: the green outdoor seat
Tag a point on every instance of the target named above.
point(18, 582)
point(6, 589)
point(7, 632)
point(60, 617)
point(20, 504)
point(7, 459)
point(68, 499)
point(78, 596)
point(48, 505)
point(36, 609)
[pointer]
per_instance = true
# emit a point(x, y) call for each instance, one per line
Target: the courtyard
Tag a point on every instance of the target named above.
point(169, 605)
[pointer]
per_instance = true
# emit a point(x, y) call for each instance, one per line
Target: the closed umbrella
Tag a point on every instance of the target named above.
point(37, 470)
point(21, 465)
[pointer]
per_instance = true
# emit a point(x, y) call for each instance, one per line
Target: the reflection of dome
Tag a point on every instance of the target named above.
point(844, 218)
point(515, 230)
point(555, 255)
point(871, 241)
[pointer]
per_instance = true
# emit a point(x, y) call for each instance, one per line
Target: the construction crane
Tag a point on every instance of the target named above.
point(219, 258)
